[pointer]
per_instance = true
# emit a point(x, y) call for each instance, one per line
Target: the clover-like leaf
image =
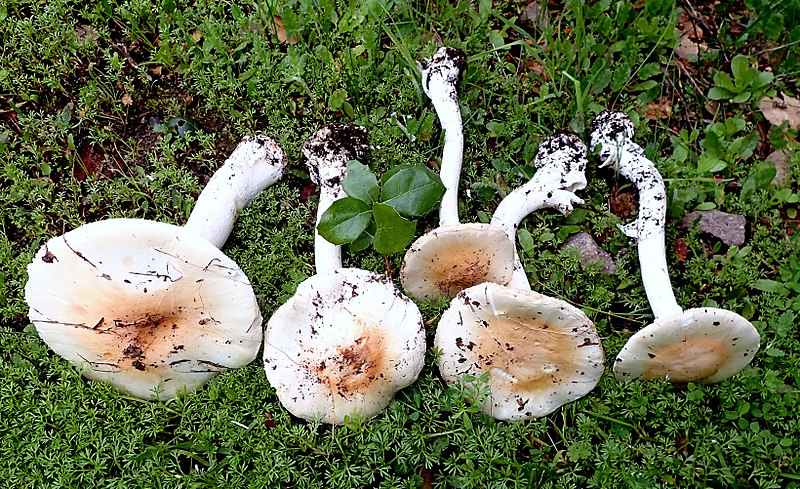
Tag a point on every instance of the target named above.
point(344, 221)
point(393, 232)
point(360, 183)
point(413, 190)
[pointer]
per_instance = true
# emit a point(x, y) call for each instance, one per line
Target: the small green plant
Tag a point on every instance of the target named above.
point(747, 83)
point(377, 214)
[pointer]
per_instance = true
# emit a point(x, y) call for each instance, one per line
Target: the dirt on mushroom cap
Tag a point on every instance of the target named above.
point(702, 345)
point(145, 306)
point(343, 345)
point(539, 352)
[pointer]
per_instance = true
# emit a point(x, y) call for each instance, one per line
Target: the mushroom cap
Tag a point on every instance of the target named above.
point(449, 259)
point(150, 308)
point(703, 345)
point(539, 352)
point(343, 345)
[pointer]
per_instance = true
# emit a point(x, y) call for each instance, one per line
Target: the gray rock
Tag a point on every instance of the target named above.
point(590, 251)
point(729, 228)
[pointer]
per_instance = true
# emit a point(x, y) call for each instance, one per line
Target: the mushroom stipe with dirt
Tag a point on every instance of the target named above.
point(705, 344)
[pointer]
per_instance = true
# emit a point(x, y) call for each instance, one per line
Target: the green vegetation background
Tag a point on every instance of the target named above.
point(125, 109)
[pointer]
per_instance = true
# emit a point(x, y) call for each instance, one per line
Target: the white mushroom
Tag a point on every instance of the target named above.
point(452, 256)
point(560, 164)
point(539, 352)
point(348, 339)
point(153, 309)
point(696, 345)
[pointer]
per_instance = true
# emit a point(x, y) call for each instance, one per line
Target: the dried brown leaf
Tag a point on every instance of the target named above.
point(779, 109)
point(276, 27)
point(127, 99)
point(660, 108)
point(689, 44)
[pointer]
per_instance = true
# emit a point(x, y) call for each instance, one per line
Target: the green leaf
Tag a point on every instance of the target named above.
point(413, 190)
point(360, 183)
point(741, 98)
point(717, 93)
point(393, 232)
point(344, 221)
point(337, 98)
point(742, 72)
point(723, 80)
point(367, 238)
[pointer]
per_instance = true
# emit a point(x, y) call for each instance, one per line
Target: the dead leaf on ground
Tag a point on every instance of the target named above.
point(127, 100)
point(86, 32)
point(780, 160)
point(197, 34)
point(276, 27)
point(660, 108)
point(777, 110)
point(690, 42)
point(536, 15)
point(89, 163)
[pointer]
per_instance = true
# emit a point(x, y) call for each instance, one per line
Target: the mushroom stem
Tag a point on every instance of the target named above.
point(255, 164)
point(560, 163)
point(519, 204)
point(613, 131)
point(440, 75)
point(327, 152)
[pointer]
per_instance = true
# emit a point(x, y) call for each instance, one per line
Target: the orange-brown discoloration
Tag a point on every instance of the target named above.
point(456, 271)
point(352, 368)
point(693, 360)
point(507, 346)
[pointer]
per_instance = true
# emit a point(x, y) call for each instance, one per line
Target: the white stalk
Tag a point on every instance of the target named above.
point(561, 163)
point(327, 152)
point(613, 132)
point(439, 78)
point(255, 164)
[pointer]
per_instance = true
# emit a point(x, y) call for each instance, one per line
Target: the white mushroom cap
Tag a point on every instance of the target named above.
point(702, 345)
point(343, 345)
point(540, 352)
point(148, 307)
point(449, 259)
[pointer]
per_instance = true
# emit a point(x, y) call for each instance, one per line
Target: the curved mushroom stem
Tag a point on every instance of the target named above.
point(327, 152)
point(440, 75)
point(255, 164)
point(561, 166)
point(613, 132)
point(516, 206)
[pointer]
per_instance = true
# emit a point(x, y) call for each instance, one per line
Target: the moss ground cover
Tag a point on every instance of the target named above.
point(111, 109)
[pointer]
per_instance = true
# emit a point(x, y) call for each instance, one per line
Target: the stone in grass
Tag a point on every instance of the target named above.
point(729, 228)
point(589, 251)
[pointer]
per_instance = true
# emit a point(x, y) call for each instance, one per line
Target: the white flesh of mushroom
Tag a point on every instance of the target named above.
point(348, 339)
point(684, 338)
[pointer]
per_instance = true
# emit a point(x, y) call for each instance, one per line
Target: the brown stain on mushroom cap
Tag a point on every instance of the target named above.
point(507, 345)
point(693, 360)
point(352, 368)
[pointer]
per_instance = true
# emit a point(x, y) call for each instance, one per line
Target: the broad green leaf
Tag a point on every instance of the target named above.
point(366, 239)
point(360, 183)
point(742, 72)
point(717, 93)
point(722, 80)
point(741, 98)
point(337, 98)
point(393, 232)
point(344, 221)
point(413, 190)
